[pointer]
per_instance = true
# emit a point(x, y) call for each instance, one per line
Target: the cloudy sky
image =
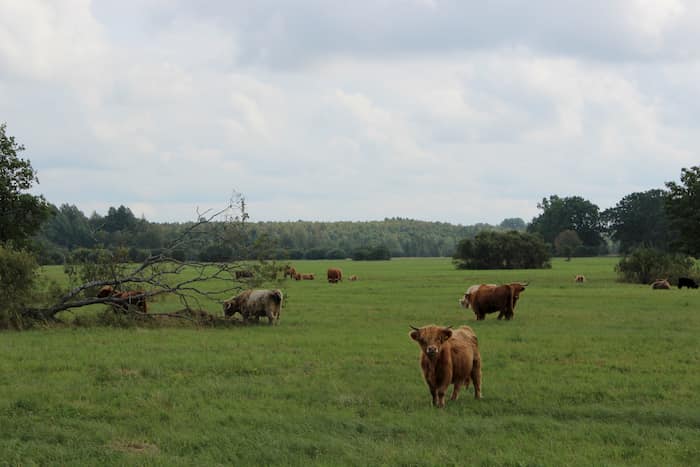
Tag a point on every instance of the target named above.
point(458, 111)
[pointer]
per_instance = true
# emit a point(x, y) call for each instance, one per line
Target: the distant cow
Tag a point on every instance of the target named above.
point(297, 276)
point(465, 300)
point(242, 274)
point(687, 282)
point(290, 272)
point(308, 277)
point(334, 275)
point(126, 299)
point(448, 357)
point(661, 284)
point(256, 303)
point(502, 298)
point(352, 278)
point(580, 278)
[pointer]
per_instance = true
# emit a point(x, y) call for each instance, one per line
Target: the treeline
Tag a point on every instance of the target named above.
point(68, 231)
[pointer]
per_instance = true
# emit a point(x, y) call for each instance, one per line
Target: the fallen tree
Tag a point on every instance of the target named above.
point(161, 274)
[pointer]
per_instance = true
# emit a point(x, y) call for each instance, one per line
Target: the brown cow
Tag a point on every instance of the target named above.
point(661, 284)
point(335, 275)
point(290, 272)
point(580, 278)
point(502, 298)
point(297, 276)
point(448, 357)
point(352, 278)
point(256, 303)
point(464, 301)
point(308, 277)
point(126, 299)
point(244, 273)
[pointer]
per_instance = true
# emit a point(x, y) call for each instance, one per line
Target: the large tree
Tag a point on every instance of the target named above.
point(570, 213)
point(21, 213)
point(639, 220)
point(683, 210)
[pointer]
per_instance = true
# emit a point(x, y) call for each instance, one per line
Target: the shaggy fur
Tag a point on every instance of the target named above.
point(256, 303)
point(334, 275)
point(448, 357)
point(502, 298)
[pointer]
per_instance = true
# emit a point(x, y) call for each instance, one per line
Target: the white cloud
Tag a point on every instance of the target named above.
point(439, 110)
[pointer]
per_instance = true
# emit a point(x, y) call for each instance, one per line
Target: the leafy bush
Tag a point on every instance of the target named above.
point(377, 253)
point(502, 250)
point(17, 279)
point(645, 265)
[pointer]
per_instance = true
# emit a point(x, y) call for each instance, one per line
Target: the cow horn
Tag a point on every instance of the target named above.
point(414, 328)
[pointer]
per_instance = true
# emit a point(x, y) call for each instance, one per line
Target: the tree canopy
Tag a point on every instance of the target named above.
point(569, 213)
point(21, 213)
point(640, 220)
point(683, 209)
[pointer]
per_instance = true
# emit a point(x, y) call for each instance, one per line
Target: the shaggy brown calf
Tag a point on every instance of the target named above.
point(308, 277)
point(290, 272)
point(502, 298)
point(334, 275)
point(448, 357)
point(353, 278)
point(580, 278)
point(127, 299)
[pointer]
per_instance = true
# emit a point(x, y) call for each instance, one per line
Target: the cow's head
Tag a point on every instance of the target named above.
point(464, 301)
point(229, 308)
point(517, 287)
point(430, 338)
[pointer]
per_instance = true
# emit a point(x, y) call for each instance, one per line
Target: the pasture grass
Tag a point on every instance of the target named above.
point(601, 373)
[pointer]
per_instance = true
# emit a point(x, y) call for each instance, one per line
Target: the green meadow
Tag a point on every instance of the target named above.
point(594, 374)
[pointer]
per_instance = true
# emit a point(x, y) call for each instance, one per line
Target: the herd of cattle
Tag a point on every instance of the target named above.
point(447, 356)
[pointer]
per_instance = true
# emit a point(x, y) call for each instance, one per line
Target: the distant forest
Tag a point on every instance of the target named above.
point(69, 232)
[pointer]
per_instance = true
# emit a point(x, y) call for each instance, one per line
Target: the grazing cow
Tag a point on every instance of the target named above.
point(502, 298)
point(308, 277)
point(661, 284)
point(290, 272)
point(255, 303)
point(242, 274)
point(352, 278)
point(580, 278)
point(687, 282)
point(448, 357)
point(464, 301)
point(334, 275)
point(126, 299)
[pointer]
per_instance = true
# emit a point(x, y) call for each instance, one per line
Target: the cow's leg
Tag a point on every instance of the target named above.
point(476, 378)
point(500, 315)
point(433, 394)
point(441, 397)
point(455, 390)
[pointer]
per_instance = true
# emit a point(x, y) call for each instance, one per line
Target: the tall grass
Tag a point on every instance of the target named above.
point(600, 373)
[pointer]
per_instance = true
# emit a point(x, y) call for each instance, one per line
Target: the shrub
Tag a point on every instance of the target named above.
point(376, 253)
point(645, 265)
point(17, 279)
point(502, 250)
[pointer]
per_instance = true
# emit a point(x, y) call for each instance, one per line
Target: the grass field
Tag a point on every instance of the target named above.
point(597, 374)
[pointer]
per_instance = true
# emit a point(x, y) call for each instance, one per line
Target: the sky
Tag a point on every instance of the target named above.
point(454, 111)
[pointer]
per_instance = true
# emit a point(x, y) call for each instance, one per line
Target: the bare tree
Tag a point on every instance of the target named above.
point(191, 281)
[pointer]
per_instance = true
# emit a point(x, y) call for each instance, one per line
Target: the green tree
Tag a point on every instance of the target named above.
point(513, 223)
point(683, 210)
point(21, 214)
point(639, 220)
point(566, 243)
point(570, 213)
point(68, 227)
